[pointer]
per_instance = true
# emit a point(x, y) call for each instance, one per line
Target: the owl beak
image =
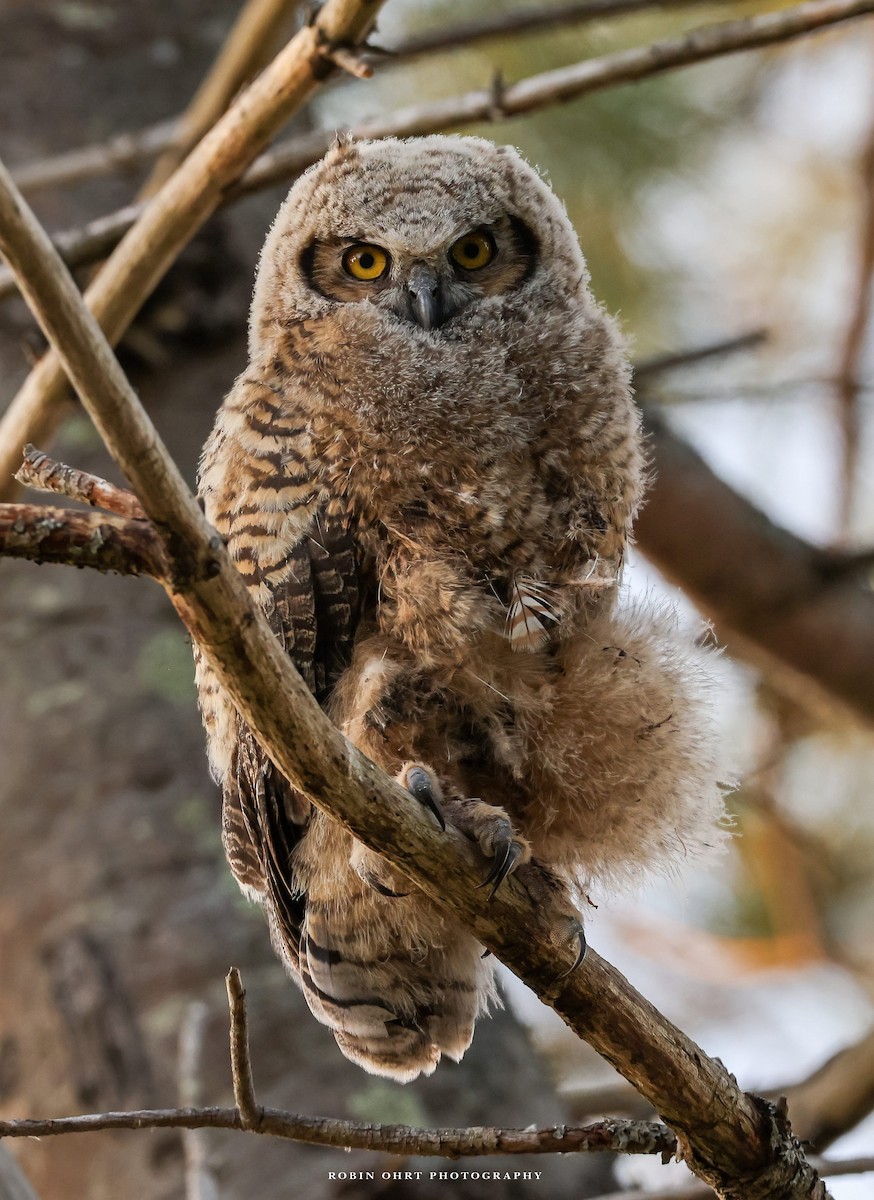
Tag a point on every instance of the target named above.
point(424, 295)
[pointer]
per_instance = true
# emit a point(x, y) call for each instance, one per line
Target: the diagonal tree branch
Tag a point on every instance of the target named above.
point(794, 610)
point(251, 38)
point(44, 474)
point(737, 1143)
point(852, 346)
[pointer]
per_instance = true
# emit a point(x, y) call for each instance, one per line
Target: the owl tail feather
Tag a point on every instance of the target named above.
point(393, 1012)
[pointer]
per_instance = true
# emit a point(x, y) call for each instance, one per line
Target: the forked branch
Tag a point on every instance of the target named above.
point(620, 1137)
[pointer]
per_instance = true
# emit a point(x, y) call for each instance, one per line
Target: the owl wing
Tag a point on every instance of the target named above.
point(295, 547)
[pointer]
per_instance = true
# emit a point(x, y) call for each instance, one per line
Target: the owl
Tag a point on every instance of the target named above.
point(427, 476)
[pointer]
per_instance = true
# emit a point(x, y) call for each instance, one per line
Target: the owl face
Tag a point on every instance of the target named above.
point(429, 281)
point(435, 238)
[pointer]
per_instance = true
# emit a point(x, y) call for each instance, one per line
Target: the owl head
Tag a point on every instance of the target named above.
point(427, 232)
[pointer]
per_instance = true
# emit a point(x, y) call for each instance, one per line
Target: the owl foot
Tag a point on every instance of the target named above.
point(492, 829)
point(421, 783)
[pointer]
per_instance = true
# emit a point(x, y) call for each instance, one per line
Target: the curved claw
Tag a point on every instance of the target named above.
point(502, 866)
point(580, 935)
point(420, 785)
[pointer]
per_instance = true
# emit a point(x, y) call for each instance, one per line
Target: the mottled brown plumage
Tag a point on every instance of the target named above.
point(427, 476)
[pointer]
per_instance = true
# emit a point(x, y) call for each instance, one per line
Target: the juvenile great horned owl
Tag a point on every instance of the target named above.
point(427, 475)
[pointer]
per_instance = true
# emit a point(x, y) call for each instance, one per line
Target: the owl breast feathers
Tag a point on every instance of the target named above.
point(427, 476)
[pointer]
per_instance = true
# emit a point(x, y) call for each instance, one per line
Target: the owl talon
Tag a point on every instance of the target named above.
point(420, 783)
point(577, 932)
point(503, 865)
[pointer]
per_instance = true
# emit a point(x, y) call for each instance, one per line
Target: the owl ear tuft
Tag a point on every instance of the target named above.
point(343, 146)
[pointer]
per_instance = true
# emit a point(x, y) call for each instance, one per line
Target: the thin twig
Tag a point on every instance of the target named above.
point(853, 342)
point(532, 20)
point(727, 1137)
point(661, 363)
point(537, 92)
point(44, 474)
point(173, 216)
point(618, 1137)
point(350, 62)
point(118, 153)
point(241, 1063)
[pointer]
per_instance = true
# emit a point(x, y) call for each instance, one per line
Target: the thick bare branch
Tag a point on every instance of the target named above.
point(530, 95)
point(791, 609)
point(735, 1142)
point(81, 539)
point(175, 214)
point(830, 1168)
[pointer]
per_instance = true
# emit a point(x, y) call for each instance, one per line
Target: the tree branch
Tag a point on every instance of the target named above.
point(241, 1065)
point(737, 1143)
point(288, 159)
point(620, 1137)
point(243, 52)
point(835, 1098)
point(175, 214)
point(853, 342)
point(790, 610)
point(660, 363)
point(42, 473)
point(128, 149)
point(81, 539)
point(830, 1168)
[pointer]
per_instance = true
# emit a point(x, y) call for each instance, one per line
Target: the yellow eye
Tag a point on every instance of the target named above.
point(365, 262)
point(473, 251)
